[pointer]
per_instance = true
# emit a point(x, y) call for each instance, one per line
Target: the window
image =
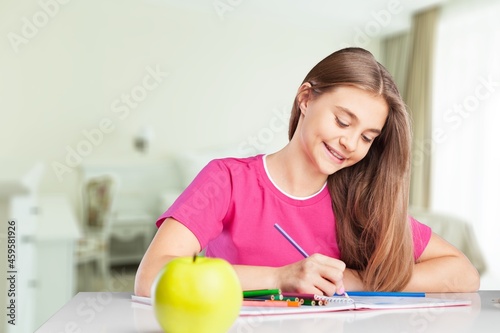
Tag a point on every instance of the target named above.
point(466, 120)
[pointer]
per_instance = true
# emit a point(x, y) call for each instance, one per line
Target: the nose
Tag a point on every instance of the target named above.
point(349, 143)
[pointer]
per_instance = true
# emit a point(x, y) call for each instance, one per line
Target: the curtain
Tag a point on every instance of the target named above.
point(466, 122)
point(395, 53)
point(418, 96)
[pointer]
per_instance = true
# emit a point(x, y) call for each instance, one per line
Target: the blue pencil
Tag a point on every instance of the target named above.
point(386, 293)
point(290, 239)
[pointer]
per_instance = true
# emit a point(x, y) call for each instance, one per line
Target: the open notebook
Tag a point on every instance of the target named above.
point(343, 303)
point(358, 303)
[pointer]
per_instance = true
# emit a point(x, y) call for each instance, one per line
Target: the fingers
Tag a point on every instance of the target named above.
point(330, 286)
point(330, 274)
point(317, 274)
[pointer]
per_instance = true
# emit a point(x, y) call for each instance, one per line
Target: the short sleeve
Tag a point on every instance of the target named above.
point(204, 203)
point(421, 235)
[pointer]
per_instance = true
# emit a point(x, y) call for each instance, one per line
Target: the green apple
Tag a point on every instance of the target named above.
point(197, 295)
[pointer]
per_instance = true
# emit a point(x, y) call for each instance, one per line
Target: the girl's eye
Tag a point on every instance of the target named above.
point(341, 123)
point(367, 139)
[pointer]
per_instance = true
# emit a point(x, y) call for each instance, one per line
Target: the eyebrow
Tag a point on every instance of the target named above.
point(355, 118)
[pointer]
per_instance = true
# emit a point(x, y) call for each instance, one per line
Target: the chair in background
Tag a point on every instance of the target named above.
point(456, 231)
point(98, 198)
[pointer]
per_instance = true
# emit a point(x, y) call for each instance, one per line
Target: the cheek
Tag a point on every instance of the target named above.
point(314, 130)
point(307, 131)
point(304, 137)
point(360, 154)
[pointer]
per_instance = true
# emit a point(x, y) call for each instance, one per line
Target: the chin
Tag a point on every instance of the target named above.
point(331, 170)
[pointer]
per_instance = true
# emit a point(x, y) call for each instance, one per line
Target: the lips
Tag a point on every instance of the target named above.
point(335, 153)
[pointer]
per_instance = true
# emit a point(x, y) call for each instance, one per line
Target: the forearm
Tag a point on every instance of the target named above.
point(352, 280)
point(147, 272)
point(317, 274)
point(172, 240)
point(251, 277)
point(257, 277)
point(444, 274)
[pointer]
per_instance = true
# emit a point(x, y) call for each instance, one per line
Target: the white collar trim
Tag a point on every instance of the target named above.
point(288, 195)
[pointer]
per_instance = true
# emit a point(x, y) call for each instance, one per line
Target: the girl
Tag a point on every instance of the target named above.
point(339, 188)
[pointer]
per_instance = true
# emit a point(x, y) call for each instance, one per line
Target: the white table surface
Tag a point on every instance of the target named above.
point(115, 312)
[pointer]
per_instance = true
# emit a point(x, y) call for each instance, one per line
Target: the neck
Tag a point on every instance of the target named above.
point(294, 173)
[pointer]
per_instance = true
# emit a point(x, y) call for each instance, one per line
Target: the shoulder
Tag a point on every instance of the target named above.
point(235, 165)
point(228, 171)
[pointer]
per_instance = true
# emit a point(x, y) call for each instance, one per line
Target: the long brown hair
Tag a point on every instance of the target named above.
point(370, 198)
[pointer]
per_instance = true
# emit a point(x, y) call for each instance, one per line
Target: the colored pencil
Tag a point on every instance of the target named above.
point(387, 293)
point(312, 302)
point(296, 245)
point(290, 239)
point(295, 299)
point(272, 298)
point(261, 292)
point(299, 295)
point(269, 303)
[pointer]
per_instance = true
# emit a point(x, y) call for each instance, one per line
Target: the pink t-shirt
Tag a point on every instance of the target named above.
point(232, 205)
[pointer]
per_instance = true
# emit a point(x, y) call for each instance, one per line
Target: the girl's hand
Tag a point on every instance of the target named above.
point(317, 274)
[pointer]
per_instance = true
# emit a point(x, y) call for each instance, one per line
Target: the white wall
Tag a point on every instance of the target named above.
point(228, 77)
point(465, 123)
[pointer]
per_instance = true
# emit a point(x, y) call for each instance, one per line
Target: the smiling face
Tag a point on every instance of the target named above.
point(337, 128)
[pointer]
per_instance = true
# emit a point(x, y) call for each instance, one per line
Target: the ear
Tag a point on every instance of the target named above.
point(304, 95)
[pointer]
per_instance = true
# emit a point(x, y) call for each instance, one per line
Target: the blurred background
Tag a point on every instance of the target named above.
point(109, 109)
